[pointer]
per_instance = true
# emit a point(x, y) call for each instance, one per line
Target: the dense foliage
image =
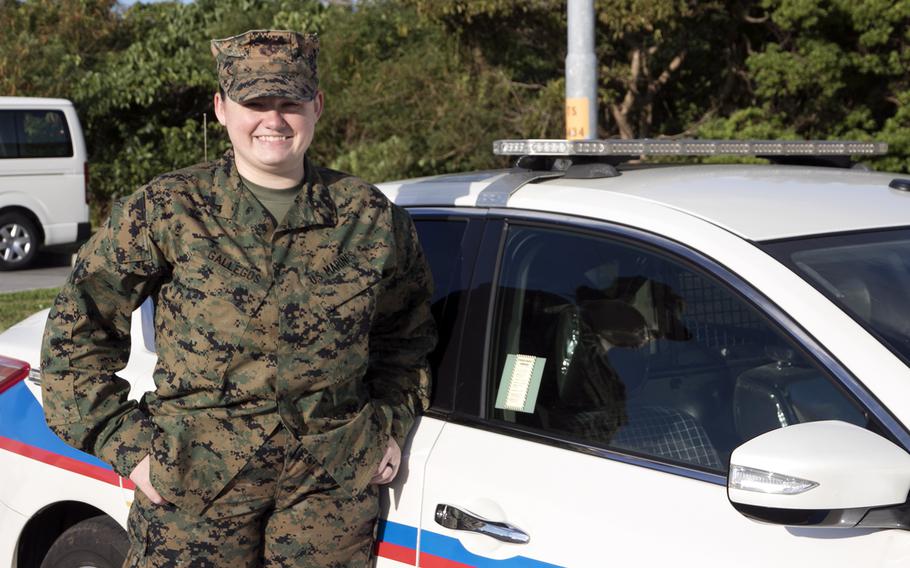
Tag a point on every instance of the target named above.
point(417, 87)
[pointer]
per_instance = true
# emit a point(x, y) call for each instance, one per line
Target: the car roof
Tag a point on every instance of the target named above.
point(756, 202)
point(33, 102)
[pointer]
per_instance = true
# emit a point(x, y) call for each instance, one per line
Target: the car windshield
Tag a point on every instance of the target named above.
point(866, 273)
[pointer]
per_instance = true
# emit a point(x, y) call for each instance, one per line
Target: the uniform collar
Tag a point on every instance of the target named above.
point(313, 206)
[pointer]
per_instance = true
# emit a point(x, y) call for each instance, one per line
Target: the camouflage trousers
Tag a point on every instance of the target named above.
point(282, 510)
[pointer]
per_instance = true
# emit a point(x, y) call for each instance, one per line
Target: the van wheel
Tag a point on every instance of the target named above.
point(18, 241)
point(98, 542)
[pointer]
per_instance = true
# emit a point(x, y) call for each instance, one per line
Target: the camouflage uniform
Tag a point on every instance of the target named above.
point(306, 338)
point(282, 509)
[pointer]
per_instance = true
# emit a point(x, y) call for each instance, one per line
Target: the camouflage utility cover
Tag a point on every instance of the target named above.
point(321, 323)
point(267, 63)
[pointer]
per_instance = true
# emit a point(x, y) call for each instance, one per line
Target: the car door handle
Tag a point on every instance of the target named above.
point(454, 518)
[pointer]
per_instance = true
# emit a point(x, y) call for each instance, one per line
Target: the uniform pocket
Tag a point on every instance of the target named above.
point(347, 303)
point(59, 398)
point(348, 296)
point(204, 315)
point(350, 309)
point(352, 450)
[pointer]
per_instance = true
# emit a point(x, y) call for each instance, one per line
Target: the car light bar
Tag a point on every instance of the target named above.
point(12, 371)
point(646, 147)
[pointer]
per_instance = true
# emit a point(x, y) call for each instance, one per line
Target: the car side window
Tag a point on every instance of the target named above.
point(613, 344)
point(441, 240)
point(441, 243)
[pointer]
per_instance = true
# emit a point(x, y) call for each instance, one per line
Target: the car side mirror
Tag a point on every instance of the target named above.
point(828, 473)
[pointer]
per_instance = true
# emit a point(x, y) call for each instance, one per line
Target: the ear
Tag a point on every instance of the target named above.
point(219, 108)
point(318, 104)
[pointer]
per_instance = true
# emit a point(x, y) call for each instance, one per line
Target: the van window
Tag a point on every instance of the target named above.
point(8, 146)
point(34, 134)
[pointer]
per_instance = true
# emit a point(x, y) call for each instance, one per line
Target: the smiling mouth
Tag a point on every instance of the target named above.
point(273, 138)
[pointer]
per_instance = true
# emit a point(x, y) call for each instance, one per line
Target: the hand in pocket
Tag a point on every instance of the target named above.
point(141, 477)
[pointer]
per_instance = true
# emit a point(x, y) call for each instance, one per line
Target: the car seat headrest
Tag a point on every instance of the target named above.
point(655, 301)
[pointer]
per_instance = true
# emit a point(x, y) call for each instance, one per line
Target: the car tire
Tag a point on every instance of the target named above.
point(98, 542)
point(18, 241)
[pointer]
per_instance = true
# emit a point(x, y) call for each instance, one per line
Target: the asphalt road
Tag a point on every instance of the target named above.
point(49, 271)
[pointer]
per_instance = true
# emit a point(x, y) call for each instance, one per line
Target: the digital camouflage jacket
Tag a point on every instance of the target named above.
point(321, 323)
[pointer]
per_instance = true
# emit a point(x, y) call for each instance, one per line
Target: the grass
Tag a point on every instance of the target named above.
point(15, 306)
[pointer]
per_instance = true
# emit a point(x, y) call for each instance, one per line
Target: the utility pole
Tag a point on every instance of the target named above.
point(205, 136)
point(581, 72)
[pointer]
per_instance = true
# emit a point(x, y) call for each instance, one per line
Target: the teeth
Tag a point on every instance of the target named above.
point(273, 138)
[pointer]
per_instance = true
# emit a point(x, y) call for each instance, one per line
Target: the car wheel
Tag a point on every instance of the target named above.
point(98, 542)
point(18, 241)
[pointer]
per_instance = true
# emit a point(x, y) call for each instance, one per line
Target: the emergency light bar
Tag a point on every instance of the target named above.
point(646, 147)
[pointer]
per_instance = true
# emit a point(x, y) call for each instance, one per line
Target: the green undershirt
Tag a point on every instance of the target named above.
point(276, 201)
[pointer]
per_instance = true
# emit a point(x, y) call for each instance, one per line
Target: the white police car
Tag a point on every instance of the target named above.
point(639, 365)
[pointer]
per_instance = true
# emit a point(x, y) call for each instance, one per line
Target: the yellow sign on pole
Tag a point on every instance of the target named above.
point(577, 116)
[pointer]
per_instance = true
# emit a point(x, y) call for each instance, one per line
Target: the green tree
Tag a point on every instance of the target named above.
point(829, 69)
point(403, 98)
point(663, 65)
point(47, 44)
point(417, 87)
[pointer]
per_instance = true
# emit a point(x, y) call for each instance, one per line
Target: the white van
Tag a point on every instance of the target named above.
point(43, 179)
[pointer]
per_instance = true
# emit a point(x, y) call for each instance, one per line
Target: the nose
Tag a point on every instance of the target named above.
point(273, 119)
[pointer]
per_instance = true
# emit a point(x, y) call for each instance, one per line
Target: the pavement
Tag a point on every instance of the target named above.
point(48, 271)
